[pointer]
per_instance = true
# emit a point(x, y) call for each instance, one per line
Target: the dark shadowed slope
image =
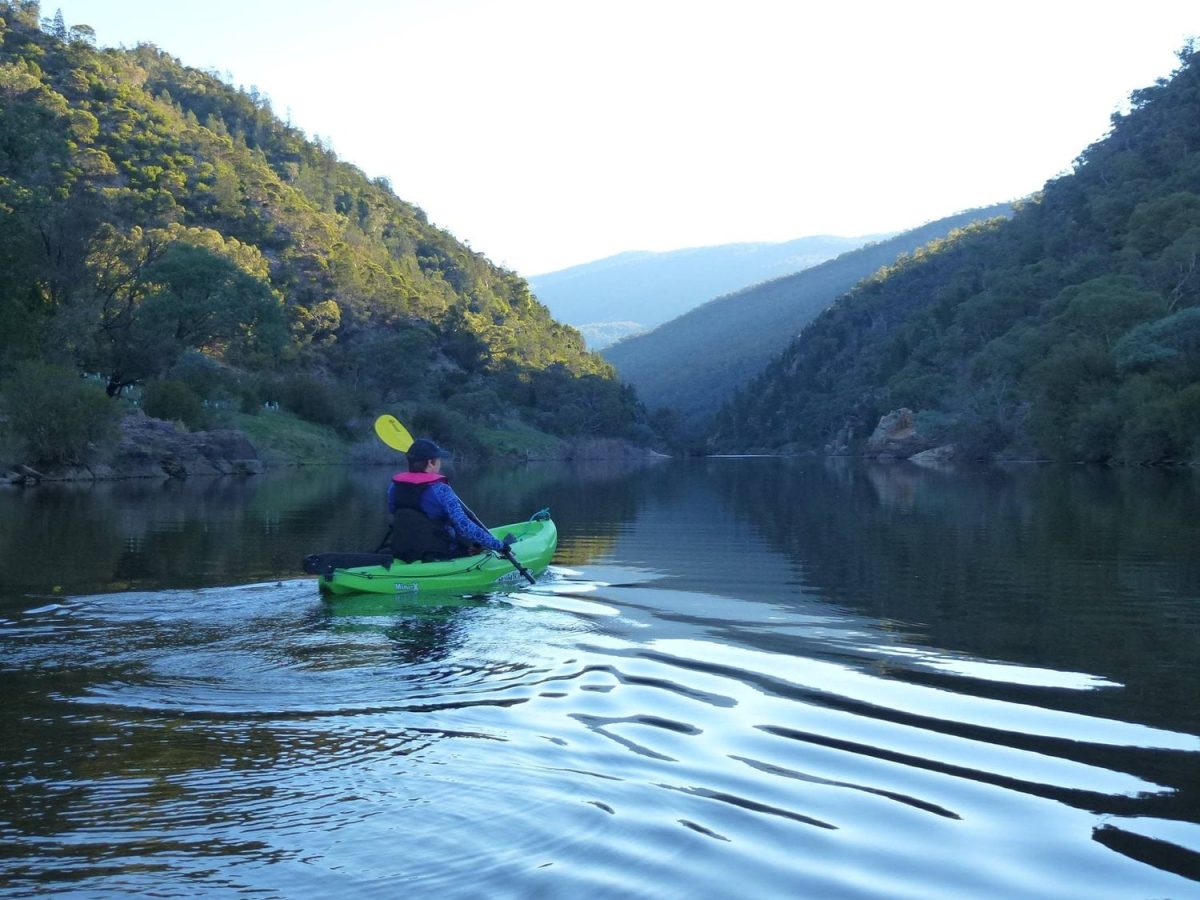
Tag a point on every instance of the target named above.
point(694, 363)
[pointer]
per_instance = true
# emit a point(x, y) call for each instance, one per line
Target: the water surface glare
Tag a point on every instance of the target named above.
point(741, 678)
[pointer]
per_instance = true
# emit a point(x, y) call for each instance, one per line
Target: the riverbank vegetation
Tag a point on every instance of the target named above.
point(1071, 331)
point(167, 240)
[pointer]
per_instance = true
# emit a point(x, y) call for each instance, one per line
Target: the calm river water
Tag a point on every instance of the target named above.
point(742, 678)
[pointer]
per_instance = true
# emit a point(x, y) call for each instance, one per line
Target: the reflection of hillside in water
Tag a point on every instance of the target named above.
point(117, 535)
point(107, 536)
point(1095, 569)
point(684, 528)
point(589, 500)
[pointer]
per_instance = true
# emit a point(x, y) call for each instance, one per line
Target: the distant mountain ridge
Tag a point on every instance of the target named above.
point(631, 292)
point(692, 364)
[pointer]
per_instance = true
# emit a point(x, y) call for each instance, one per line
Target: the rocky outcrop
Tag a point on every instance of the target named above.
point(896, 437)
point(152, 448)
point(935, 458)
point(839, 444)
point(22, 474)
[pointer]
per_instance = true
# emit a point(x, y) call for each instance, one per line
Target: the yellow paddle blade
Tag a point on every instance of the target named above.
point(392, 433)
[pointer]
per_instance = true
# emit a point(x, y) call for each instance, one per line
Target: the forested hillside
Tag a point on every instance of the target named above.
point(612, 298)
point(169, 235)
point(694, 363)
point(1071, 331)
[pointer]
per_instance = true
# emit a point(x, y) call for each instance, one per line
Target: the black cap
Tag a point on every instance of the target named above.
point(424, 448)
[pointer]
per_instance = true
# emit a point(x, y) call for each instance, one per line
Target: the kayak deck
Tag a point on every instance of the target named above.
point(534, 547)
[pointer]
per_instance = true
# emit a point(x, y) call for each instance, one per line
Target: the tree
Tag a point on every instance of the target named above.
point(158, 301)
point(1172, 341)
point(55, 414)
point(1108, 306)
point(204, 301)
point(56, 27)
point(82, 34)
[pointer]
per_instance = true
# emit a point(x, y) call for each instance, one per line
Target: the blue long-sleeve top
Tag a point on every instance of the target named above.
point(440, 503)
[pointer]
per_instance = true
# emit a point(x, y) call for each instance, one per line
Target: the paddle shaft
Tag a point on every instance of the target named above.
point(506, 552)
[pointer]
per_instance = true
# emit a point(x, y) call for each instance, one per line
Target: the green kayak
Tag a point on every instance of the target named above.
point(372, 573)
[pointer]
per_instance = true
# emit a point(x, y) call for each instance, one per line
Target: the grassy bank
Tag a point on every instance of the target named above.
point(282, 439)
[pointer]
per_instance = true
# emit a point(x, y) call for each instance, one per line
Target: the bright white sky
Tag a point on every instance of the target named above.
point(547, 133)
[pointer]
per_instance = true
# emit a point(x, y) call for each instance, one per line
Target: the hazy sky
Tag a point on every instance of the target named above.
point(552, 132)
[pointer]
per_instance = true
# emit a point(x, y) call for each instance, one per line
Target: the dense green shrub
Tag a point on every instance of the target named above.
point(56, 416)
point(1163, 425)
point(251, 395)
point(481, 405)
point(206, 377)
point(447, 427)
point(175, 401)
point(314, 400)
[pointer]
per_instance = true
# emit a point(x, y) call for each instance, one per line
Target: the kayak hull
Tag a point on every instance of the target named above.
point(534, 547)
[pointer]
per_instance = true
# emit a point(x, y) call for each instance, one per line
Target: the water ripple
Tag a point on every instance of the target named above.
point(541, 742)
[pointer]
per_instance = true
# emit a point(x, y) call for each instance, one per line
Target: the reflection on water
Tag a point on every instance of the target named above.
point(742, 678)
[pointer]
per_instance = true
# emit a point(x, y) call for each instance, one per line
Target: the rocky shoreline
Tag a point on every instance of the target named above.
point(152, 448)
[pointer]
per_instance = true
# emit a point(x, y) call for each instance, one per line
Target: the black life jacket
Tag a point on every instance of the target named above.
point(415, 536)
